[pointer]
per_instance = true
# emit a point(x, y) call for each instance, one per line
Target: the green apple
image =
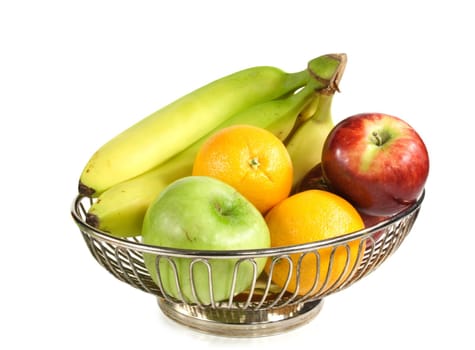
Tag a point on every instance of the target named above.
point(203, 213)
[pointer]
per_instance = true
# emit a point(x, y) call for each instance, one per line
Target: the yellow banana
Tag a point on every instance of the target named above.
point(120, 209)
point(305, 115)
point(171, 129)
point(306, 143)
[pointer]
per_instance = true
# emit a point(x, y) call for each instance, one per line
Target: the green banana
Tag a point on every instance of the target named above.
point(168, 131)
point(120, 209)
point(306, 143)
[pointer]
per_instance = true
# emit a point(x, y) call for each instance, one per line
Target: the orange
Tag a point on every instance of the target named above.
point(309, 216)
point(252, 160)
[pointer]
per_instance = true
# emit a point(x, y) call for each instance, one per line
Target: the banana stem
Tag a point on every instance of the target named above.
point(324, 72)
point(328, 70)
point(296, 80)
point(323, 112)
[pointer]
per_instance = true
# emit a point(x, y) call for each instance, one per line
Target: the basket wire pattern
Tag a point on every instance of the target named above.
point(264, 308)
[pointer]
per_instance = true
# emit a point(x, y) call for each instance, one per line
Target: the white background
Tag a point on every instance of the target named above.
point(75, 73)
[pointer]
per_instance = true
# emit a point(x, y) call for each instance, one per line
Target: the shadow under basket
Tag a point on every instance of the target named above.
point(264, 307)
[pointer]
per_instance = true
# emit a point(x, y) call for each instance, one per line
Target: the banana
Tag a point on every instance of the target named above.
point(306, 143)
point(120, 209)
point(171, 129)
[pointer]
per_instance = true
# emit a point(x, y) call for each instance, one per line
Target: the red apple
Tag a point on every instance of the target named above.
point(314, 180)
point(376, 161)
point(370, 221)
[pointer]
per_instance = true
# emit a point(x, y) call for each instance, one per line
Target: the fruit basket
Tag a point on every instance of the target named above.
point(264, 308)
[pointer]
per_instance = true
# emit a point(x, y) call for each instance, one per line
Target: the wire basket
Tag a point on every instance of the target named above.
point(264, 307)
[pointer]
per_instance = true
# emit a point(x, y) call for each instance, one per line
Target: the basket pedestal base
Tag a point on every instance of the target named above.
point(235, 322)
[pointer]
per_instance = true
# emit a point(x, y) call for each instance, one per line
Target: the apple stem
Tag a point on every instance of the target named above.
point(379, 138)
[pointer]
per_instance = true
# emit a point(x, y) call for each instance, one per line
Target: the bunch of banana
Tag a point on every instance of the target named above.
point(126, 175)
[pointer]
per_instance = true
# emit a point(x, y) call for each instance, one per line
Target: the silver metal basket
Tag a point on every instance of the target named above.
point(264, 308)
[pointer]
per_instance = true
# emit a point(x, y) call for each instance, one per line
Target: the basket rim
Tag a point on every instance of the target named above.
point(237, 253)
